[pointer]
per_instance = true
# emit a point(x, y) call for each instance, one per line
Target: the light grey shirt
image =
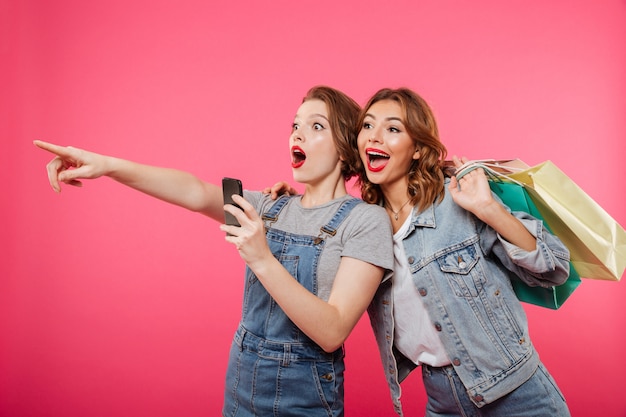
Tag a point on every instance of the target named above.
point(365, 234)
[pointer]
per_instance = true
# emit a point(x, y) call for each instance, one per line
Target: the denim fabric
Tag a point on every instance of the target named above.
point(274, 368)
point(268, 378)
point(461, 268)
point(537, 397)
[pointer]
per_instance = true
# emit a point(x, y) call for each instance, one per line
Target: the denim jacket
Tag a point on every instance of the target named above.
point(461, 269)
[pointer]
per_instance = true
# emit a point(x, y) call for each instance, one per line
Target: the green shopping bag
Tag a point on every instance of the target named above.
point(516, 198)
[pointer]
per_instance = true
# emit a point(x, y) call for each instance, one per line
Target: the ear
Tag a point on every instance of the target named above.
point(416, 155)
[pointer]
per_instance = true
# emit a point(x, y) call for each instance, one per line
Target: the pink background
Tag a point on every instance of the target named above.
point(113, 304)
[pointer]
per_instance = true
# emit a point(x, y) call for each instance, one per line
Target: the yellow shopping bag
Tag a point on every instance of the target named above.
point(597, 243)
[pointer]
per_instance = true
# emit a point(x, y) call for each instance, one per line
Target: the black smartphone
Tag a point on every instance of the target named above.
point(231, 186)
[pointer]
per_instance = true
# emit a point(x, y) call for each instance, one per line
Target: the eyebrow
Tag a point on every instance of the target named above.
point(314, 116)
point(319, 115)
point(387, 118)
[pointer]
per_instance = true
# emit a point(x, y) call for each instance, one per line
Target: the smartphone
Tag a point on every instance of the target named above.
point(231, 186)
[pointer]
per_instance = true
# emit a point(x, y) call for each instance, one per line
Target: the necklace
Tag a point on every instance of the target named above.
point(397, 213)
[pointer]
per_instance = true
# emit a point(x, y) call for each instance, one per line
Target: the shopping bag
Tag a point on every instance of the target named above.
point(516, 197)
point(597, 243)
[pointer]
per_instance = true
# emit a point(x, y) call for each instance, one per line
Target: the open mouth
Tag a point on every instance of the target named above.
point(376, 159)
point(297, 157)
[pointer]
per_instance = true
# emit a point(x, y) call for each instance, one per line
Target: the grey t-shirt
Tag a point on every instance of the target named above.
point(365, 234)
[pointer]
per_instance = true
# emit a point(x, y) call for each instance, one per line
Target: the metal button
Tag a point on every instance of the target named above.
point(461, 262)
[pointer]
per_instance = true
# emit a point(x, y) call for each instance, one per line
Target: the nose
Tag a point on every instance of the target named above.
point(297, 136)
point(374, 136)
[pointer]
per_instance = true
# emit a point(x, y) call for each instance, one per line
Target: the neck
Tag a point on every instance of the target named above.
point(399, 213)
point(396, 195)
point(397, 204)
point(323, 192)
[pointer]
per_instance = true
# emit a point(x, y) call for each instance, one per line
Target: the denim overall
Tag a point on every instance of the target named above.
point(274, 369)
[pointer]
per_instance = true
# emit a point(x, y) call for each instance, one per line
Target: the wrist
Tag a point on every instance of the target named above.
point(490, 210)
point(264, 266)
point(116, 168)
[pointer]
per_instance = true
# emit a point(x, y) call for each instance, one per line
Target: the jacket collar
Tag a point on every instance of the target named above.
point(424, 218)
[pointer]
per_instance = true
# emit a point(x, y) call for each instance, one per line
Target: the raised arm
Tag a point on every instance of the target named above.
point(472, 193)
point(71, 165)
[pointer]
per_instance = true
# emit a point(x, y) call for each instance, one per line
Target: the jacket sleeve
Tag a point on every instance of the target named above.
point(546, 266)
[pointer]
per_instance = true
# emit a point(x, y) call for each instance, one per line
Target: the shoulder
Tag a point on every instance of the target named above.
point(370, 209)
point(370, 215)
point(260, 201)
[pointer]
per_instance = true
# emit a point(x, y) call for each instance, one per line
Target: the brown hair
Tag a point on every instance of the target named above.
point(343, 115)
point(426, 176)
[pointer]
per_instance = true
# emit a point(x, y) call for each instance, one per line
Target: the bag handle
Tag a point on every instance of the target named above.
point(492, 168)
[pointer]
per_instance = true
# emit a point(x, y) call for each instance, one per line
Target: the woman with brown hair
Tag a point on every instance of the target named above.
point(449, 306)
point(314, 261)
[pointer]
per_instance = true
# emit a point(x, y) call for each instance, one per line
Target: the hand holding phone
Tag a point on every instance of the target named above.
point(231, 186)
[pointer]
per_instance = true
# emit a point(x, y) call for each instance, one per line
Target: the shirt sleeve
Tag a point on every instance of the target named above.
point(369, 236)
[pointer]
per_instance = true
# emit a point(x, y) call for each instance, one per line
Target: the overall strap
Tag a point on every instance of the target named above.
point(341, 214)
point(271, 215)
point(330, 228)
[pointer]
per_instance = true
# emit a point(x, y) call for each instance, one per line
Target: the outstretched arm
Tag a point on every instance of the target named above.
point(71, 165)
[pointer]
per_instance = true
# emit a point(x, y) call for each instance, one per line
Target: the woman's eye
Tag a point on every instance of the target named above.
point(367, 125)
point(317, 126)
point(294, 127)
point(394, 130)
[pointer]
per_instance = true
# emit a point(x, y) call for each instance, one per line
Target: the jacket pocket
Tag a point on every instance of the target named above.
point(459, 263)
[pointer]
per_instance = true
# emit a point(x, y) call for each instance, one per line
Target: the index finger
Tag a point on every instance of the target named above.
point(50, 147)
point(245, 206)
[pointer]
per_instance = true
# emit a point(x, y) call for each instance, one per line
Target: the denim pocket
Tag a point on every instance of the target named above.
point(312, 388)
point(459, 264)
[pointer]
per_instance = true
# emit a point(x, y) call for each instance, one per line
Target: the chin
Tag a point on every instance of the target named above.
point(299, 177)
point(373, 177)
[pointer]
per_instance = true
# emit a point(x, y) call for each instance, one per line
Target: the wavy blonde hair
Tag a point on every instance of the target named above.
point(426, 174)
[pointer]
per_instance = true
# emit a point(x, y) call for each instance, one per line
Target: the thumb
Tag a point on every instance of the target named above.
point(71, 176)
